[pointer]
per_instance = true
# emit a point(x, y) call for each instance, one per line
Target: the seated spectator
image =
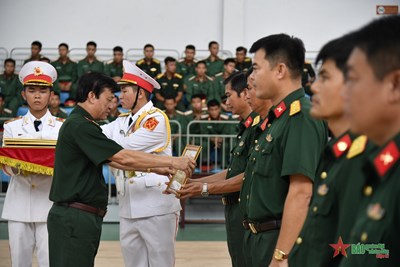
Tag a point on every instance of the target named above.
point(90, 63)
point(114, 112)
point(176, 115)
point(149, 64)
point(10, 87)
point(4, 112)
point(36, 47)
point(171, 85)
point(186, 65)
point(54, 106)
point(218, 83)
point(114, 68)
point(243, 63)
point(66, 71)
point(214, 63)
point(199, 84)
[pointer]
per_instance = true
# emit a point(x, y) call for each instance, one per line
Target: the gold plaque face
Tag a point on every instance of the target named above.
point(179, 179)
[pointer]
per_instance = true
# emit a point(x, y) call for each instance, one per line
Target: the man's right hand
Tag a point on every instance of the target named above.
point(185, 164)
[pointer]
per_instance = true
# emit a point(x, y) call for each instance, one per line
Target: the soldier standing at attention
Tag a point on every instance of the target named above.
point(278, 179)
point(372, 97)
point(149, 64)
point(27, 201)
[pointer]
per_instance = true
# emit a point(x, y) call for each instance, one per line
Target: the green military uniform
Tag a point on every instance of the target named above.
point(4, 113)
point(113, 69)
point(337, 186)
point(33, 59)
point(84, 66)
point(169, 88)
point(245, 65)
point(233, 215)
point(287, 142)
point(66, 72)
point(218, 86)
point(185, 68)
point(196, 86)
point(81, 151)
point(152, 69)
point(308, 72)
point(11, 88)
point(177, 135)
point(214, 67)
point(60, 113)
point(377, 220)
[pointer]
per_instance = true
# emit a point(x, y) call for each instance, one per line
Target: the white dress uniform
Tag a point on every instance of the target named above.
point(148, 218)
point(27, 200)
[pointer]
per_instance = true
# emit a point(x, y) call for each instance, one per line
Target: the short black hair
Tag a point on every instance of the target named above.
point(380, 41)
point(63, 44)
point(92, 43)
point(45, 59)
point(95, 82)
point(212, 43)
point(249, 72)
point(191, 47)
point(169, 59)
point(38, 44)
point(9, 60)
point(241, 48)
point(169, 97)
point(337, 50)
point(201, 62)
point(56, 93)
point(213, 103)
point(118, 49)
point(201, 96)
point(282, 48)
point(147, 46)
point(229, 60)
point(238, 81)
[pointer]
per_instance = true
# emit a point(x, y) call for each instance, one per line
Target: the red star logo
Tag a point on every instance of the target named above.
point(340, 247)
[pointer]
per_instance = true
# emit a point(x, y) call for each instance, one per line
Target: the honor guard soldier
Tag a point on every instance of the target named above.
point(27, 200)
point(372, 98)
point(334, 184)
point(143, 206)
point(149, 64)
point(243, 63)
point(278, 179)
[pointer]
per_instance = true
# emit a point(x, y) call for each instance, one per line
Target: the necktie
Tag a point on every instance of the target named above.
point(130, 121)
point(37, 123)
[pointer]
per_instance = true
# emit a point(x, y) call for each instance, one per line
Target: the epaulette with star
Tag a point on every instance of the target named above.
point(357, 147)
point(13, 119)
point(178, 76)
point(124, 114)
point(256, 121)
point(295, 107)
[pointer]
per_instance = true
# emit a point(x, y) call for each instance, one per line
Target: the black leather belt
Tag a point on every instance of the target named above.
point(230, 200)
point(84, 207)
point(257, 227)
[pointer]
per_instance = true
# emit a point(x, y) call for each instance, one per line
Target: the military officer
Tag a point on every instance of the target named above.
point(66, 71)
point(90, 63)
point(199, 84)
point(278, 177)
point(10, 86)
point(79, 207)
point(114, 68)
point(334, 185)
point(218, 83)
point(373, 106)
point(186, 65)
point(214, 64)
point(149, 64)
point(243, 63)
point(142, 205)
point(171, 85)
point(27, 204)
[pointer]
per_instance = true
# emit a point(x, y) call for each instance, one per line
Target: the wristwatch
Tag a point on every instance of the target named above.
point(279, 255)
point(204, 192)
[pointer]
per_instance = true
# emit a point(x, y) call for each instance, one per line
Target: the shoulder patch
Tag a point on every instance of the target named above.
point(192, 78)
point(357, 147)
point(204, 116)
point(124, 114)
point(60, 119)
point(219, 74)
point(247, 59)
point(295, 107)
point(256, 121)
point(7, 110)
point(209, 78)
point(178, 76)
point(181, 60)
point(150, 124)
point(235, 117)
point(156, 61)
point(180, 112)
point(159, 75)
point(13, 119)
point(189, 112)
point(140, 62)
point(224, 116)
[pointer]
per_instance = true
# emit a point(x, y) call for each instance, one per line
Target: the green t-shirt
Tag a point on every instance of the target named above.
point(288, 142)
point(81, 151)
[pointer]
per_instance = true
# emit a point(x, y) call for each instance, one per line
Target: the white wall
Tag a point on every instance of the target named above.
point(172, 24)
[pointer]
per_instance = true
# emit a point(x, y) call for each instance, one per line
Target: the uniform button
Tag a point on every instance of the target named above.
point(256, 141)
point(239, 137)
point(324, 175)
point(239, 199)
point(364, 237)
point(229, 169)
point(252, 173)
point(269, 125)
point(247, 196)
point(299, 240)
point(368, 190)
point(244, 178)
point(315, 209)
point(254, 159)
